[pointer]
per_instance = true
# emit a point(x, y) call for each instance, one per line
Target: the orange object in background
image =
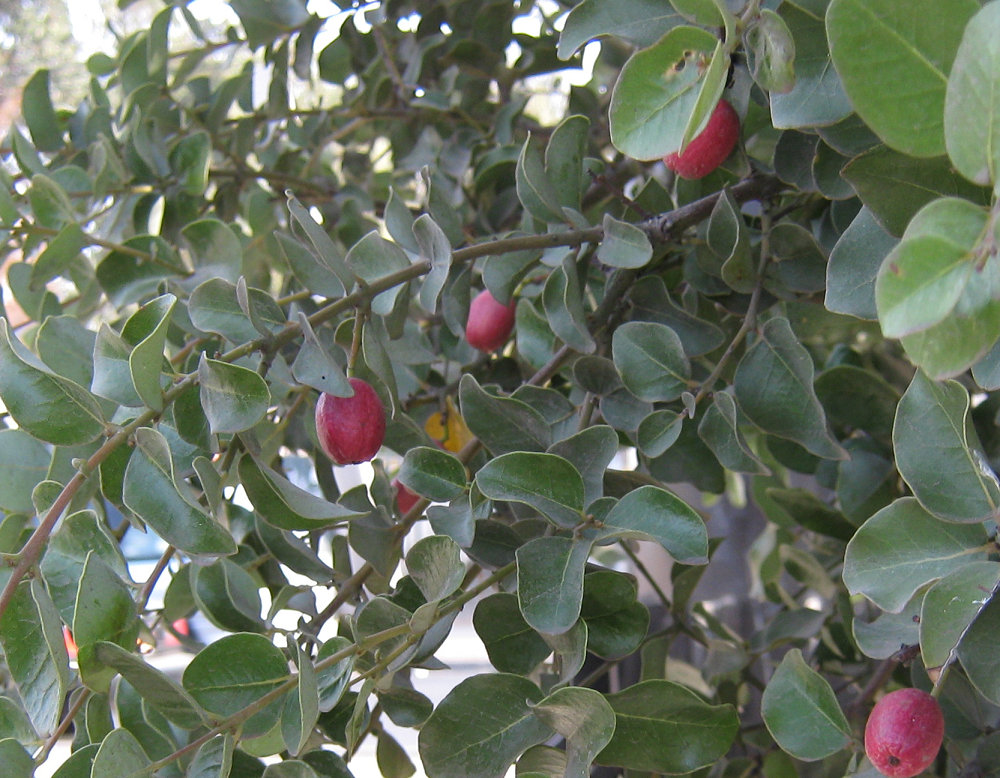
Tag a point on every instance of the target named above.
point(69, 643)
point(449, 428)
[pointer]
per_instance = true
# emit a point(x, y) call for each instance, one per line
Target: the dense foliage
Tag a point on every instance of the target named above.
point(235, 220)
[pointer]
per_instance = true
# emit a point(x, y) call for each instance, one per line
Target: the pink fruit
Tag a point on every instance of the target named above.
point(351, 429)
point(904, 733)
point(490, 322)
point(405, 499)
point(710, 147)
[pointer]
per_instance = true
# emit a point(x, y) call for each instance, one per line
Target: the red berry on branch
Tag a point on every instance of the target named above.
point(405, 499)
point(904, 733)
point(490, 322)
point(351, 429)
point(710, 147)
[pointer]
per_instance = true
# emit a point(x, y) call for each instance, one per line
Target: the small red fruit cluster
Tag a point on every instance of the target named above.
point(904, 733)
point(490, 322)
point(351, 429)
point(710, 147)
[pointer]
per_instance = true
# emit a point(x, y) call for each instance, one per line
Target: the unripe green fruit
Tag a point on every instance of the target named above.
point(904, 733)
point(710, 147)
point(351, 429)
point(490, 322)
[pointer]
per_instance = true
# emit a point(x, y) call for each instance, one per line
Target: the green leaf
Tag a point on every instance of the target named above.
point(802, 712)
point(658, 91)
point(721, 433)
point(190, 159)
point(652, 302)
point(512, 645)
point(652, 513)
point(951, 605)
point(282, 504)
point(955, 344)
point(301, 710)
point(147, 330)
point(903, 98)
point(435, 565)
point(503, 424)
point(590, 451)
point(978, 652)
point(372, 258)
point(43, 404)
point(36, 658)
point(234, 398)
point(651, 361)
point(729, 239)
point(664, 727)
point(624, 245)
point(895, 186)
point(564, 155)
point(215, 251)
point(971, 131)
point(313, 273)
point(812, 513)
point(315, 366)
point(67, 347)
point(563, 301)
point(933, 270)
point(933, 435)
point(215, 306)
point(228, 596)
point(884, 636)
point(432, 473)
point(112, 374)
point(16, 760)
point(214, 759)
point(58, 256)
point(458, 741)
point(77, 535)
point(774, 388)
point(773, 49)
point(23, 465)
point(548, 483)
point(39, 115)
point(152, 492)
point(585, 719)
point(645, 23)
point(903, 547)
point(799, 261)
point(234, 672)
point(658, 431)
point(534, 189)
point(155, 687)
point(265, 20)
point(332, 680)
point(435, 248)
point(858, 399)
point(104, 610)
point(120, 756)
point(550, 582)
point(818, 97)
point(14, 723)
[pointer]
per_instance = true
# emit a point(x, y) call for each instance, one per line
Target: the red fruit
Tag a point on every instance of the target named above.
point(405, 499)
point(490, 322)
point(351, 429)
point(710, 147)
point(904, 733)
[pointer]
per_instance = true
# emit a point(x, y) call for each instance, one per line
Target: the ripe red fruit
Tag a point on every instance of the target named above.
point(351, 429)
point(490, 322)
point(710, 147)
point(405, 499)
point(904, 733)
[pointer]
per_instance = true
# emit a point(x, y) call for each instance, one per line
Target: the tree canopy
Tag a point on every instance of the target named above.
point(238, 219)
